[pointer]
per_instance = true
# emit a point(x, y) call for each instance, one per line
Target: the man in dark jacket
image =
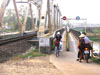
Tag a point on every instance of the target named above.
point(58, 38)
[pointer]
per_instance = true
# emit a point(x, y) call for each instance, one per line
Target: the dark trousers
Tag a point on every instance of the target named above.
point(80, 53)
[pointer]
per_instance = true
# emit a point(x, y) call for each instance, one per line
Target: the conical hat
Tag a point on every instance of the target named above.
point(82, 35)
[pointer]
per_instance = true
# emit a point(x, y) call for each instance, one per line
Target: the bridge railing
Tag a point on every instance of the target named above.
point(76, 33)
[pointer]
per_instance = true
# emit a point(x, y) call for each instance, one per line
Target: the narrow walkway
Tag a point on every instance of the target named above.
point(67, 63)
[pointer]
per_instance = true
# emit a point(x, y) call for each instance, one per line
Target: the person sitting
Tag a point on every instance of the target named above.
point(87, 43)
point(87, 40)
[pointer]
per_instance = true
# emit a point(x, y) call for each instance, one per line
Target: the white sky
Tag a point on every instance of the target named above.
point(89, 9)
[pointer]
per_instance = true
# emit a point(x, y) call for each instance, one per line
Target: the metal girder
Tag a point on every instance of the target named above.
point(17, 15)
point(32, 18)
point(21, 1)
point(38, 3)
point(2, 9)
point(49, 17)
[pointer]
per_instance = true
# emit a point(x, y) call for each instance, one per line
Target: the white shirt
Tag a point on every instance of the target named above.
point(86, 39)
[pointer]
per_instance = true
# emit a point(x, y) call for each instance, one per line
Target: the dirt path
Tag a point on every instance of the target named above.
point(34, 66)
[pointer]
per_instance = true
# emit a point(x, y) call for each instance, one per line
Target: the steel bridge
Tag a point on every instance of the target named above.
point(48, 18)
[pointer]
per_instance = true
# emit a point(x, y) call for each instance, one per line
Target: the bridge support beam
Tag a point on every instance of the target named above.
point(38, 20)
point(19, 23)
point(2, 10)
point(49, 17)
point(33, 25)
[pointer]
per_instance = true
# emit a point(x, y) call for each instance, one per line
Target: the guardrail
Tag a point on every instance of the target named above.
point(60, 30)
point(76, 33)
point(16, 38)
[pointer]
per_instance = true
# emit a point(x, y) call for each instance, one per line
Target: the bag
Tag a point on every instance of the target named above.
point(57, 43)
point(61, 46)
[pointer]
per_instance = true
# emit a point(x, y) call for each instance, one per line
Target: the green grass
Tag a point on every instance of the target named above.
point(79, 29)
point(93, 31)
point(94, 38)
point(96, 60)
point(33, 53)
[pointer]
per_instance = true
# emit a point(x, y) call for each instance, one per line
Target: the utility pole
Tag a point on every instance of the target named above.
point(85, 25)
point(19, 23)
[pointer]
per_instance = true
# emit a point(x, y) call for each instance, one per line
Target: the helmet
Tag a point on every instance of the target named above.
point(58, 32)
point(82, 35)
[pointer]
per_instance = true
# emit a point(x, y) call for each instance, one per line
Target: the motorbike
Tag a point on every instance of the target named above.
point(86, 54)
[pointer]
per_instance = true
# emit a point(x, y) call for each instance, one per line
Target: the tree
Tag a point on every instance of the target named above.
point(29, 24)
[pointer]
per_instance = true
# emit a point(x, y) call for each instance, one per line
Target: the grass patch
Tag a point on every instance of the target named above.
point(93, 38)
point(96, 60)
point(33, 53)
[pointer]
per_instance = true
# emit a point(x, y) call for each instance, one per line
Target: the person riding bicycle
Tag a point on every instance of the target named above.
point(58, 38)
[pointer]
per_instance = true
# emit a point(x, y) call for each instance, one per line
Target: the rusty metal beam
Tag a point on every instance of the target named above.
point(54, 18)
point(25, 20)
point(2, 9)
point(33, 26)
point(19, 23)
point(57, 19)
point(49, 17)
point(21, 1)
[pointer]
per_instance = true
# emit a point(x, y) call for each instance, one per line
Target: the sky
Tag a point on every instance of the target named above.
point(89, 9)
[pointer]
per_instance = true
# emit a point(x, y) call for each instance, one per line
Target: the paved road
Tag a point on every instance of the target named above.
point(67, 63)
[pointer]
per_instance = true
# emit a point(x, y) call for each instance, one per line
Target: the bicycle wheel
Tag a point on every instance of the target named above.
point(57, 51)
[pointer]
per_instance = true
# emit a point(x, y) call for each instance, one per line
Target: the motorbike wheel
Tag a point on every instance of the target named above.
point(86, 58)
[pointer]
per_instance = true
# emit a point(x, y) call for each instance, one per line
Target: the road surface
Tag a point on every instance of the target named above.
point(68, 65)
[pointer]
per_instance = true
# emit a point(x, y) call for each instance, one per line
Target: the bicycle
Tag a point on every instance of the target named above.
point(57, 51)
